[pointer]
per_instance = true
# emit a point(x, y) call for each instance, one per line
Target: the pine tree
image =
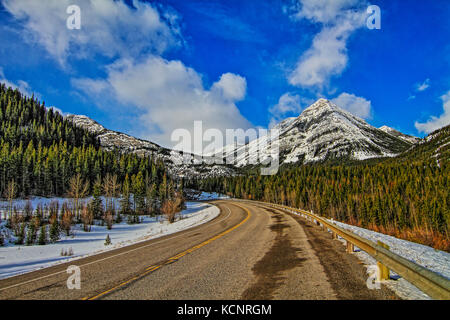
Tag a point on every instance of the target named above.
point(125, 203)
point(54, 230)
point(43, 237)
point(31, 233)
point(97, 203)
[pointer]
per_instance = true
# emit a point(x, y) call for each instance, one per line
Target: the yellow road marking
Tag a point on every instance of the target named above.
point(174, 258)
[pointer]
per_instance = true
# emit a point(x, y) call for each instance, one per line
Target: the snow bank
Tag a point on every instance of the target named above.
point(16, 259)
point(204, 196)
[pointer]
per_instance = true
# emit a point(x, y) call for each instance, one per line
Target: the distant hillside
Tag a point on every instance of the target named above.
point(435, 147)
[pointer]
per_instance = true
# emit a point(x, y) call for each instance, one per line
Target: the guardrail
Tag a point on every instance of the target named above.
point(433, 284)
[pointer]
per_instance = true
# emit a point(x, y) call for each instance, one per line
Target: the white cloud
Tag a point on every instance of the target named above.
point(109, 28)
point(323, 11)
point(288, 103)
point(163, 94)
point(357, 106)
point(231, 86)
point(327, 56)
point(168, 95)
point(435, 123)
point(423, 86)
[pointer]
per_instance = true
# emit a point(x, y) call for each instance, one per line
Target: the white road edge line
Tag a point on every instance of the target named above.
point(119, 254)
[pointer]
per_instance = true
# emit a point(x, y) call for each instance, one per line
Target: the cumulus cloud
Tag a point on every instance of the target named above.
point(169, 96)
point(288, 103)
point(109, 28)
point(231, 86)
point(162, 94)
point(327, 56)
point(435, 123)
point(357, 106)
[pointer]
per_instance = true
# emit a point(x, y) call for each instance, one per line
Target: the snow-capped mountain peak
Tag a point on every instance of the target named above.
point(324, 131)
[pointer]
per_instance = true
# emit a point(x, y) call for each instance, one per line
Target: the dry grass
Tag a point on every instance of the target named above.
point(423, 236)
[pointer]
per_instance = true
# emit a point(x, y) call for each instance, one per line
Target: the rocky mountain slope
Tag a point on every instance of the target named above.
point(180, 165)
point(398, 134)
point(324, 132)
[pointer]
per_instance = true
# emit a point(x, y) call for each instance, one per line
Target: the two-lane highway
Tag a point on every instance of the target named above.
point(247, 252)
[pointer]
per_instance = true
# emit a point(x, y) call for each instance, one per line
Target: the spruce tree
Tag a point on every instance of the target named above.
point(43, 237)
point(54, 230)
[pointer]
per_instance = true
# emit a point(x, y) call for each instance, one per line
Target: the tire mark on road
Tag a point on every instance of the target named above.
point(281, 257)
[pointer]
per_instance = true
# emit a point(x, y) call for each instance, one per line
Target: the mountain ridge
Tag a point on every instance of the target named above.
point(323, 131)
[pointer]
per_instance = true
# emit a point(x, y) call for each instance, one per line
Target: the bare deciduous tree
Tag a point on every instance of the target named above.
point(171, 207)
point(111, 188)
point(66, 219)
point(77, 189)
point(10, 194)
point(108, 218)
point(87, 217)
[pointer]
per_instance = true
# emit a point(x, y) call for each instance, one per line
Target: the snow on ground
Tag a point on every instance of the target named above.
point(202, 195)
point(211, 196)
point(430, 258)
point(19, 204)
point(15, 259)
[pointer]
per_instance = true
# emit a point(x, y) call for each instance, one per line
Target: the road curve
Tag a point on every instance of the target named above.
point(247, 252)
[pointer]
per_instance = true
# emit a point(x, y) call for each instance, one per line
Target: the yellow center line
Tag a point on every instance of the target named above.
point(174, 258)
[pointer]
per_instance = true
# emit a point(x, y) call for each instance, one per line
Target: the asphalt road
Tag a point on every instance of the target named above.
point(247, 252)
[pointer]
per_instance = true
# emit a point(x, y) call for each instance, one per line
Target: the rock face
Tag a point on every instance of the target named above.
point(398, 134)
point(174, 160)
point(324, 132)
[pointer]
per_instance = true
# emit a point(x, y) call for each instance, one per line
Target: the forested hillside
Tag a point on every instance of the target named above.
point(407, 196)
point(40, 152)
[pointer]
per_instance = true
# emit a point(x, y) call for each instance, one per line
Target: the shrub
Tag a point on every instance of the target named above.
point(107, 240)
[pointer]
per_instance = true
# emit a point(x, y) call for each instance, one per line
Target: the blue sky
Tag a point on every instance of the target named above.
point(149, 67)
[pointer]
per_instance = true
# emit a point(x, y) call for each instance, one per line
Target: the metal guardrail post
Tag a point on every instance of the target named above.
point(350, 248)
point(383, 271)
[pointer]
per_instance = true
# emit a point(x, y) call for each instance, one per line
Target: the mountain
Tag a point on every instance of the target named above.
point(435, 147)
point(323, 131)
point(399, 135)
point(175, 161)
